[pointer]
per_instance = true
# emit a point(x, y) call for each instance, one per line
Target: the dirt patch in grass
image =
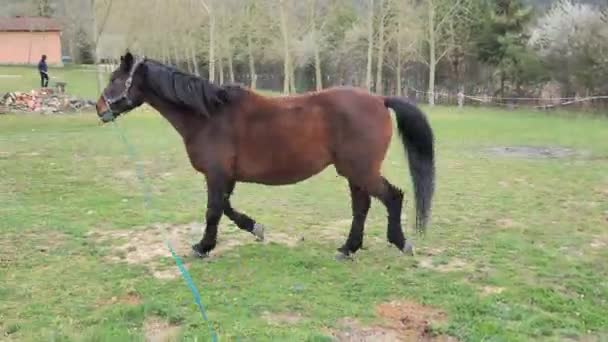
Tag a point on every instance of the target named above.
point(159, 330)
point(282, 318)
point(38, 241)
point(599, 242)
point(430, 258)
point(334, 231)
point(536, 152)
point(600, 190)
point(488, 290)
point(452, 265)
point(125, 174)
point(130, 299)
point(146, 245)
point(401, 321)
point(350, 330)
point(507, 223)
point(585, 338)
point(31, 154)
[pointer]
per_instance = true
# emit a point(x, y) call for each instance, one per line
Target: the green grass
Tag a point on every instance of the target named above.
point(538, 228)
point(81, 80)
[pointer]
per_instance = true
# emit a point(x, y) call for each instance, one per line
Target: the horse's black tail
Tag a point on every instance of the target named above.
point(417, 138)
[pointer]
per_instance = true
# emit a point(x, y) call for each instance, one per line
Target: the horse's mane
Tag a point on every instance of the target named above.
point(189, 91)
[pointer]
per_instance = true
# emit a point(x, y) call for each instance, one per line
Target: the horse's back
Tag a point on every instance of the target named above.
point(287, 139)
point(280, 140)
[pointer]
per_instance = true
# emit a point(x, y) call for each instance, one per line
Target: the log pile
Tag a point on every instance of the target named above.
point(45, 101)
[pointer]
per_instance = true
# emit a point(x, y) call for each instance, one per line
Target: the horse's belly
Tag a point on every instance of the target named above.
point(281, 169)
point(282, 177)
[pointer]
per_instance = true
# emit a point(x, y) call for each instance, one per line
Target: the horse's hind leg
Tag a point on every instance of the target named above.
point(241, 220)
point(361, 201)
point(392, 198)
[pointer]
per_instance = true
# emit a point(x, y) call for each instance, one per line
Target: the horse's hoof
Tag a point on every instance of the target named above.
point(340, 256)
point(258, 232)
point(408, 249)
point(199, 254)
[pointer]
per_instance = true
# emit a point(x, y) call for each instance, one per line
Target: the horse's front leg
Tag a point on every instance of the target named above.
point(216, 190)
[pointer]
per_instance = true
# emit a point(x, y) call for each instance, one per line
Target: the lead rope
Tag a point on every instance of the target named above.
point(178, 261)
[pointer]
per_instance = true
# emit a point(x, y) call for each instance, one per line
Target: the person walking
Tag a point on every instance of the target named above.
point(44, 72)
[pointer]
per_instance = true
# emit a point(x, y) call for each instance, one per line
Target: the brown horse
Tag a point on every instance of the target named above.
point(232, 134)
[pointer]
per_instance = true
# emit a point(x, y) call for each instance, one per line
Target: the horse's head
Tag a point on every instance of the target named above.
point(124, 92)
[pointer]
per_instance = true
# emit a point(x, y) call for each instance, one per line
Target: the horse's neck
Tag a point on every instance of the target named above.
point(186, 125)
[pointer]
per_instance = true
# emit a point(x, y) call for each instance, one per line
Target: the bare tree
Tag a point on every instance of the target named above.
point(370, 44)
point(406, 35)
point(45, 8)
point(316, 44)
point(98, 28)
point(211, 15)
point(227, 15)
point(288, 78)
point(439, 14)
point(250, 20)
point(384, 9)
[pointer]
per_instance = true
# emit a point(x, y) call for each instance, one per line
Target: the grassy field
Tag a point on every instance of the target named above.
point(517, 248)
point(81, 80)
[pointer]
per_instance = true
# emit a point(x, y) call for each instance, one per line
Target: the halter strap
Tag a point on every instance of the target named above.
point(125, 93)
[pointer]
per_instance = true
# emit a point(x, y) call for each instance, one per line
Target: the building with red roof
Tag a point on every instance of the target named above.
point(25, 39)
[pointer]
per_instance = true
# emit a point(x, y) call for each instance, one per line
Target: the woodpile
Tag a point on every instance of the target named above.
point(45, 101)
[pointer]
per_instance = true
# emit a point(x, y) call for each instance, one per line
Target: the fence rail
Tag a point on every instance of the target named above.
point(598, 102)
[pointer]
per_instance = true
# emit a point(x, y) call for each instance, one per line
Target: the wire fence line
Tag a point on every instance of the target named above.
point(461, 99)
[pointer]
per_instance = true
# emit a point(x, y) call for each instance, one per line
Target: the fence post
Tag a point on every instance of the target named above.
point(460, 99)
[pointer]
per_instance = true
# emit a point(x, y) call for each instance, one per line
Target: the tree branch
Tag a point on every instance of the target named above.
point(445, 52)
point(455, 6)
point(103, 22)
point(205, 6)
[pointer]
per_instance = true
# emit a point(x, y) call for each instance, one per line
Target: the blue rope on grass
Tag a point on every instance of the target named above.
point(178, 261)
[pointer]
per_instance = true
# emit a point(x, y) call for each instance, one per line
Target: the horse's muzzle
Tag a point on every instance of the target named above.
point(107, 116)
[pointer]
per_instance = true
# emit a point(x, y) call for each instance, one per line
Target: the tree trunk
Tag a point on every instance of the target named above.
point(72, 30)
point(292, 78)
point(502, 83)
point(193, 57)
point(380, 61)
point(229, 53)
point(187, 58)
point(370, 44)
point(220, 66)
point(166, 56)
point(399, 52)
point(318, 73)
point(231, 68)
point(432, 62)
point(286, 57)
point(315, 38)
point(253, 76)
point(211, 15)
point(211, 49)
point(176, 56)
point(99, 72)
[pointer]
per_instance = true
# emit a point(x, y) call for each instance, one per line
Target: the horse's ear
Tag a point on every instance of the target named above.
point(127, 61)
